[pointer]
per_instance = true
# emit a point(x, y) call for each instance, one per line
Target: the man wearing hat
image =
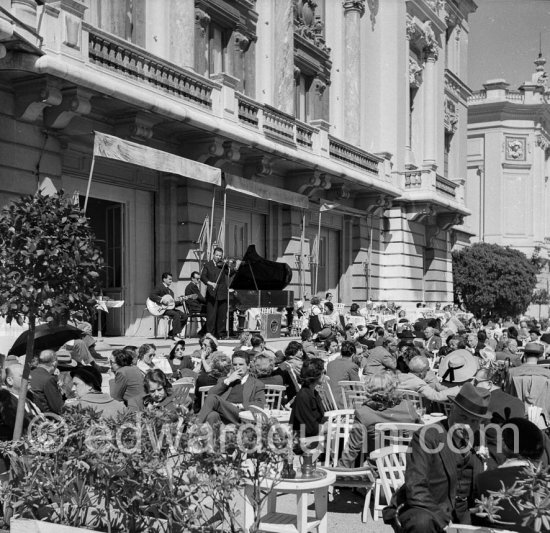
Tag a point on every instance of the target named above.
point(44, 385)
point(457, 367)
point(530, 382)
point(87, 389)
point(441, 468)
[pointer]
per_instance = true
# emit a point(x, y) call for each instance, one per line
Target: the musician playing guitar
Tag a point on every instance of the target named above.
point(163, 295)
point(215, 275)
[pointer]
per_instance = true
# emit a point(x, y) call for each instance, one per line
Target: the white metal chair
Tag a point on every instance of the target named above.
point(203, 391)
point(349, 388)
point(180, 392)
point(327, 397)
point(391, 462)
point(414, 397)
point(394, 434)
point(166, 321)
point(274, 396)
point(338, 428)
point(442, 407)
point(259, 414)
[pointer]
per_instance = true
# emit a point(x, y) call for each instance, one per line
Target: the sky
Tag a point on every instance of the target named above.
point(504, 40)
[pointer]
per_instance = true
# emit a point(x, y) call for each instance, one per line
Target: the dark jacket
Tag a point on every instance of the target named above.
point(197, 306)
point(307, 412)
point(128, 383)
point(341, 369)
point(47, 395)
point(253, 391)
point(159, 291)
point(203, 380)
point(430, 477)
point(211, 272)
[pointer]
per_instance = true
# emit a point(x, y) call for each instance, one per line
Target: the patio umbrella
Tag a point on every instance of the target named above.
point(46, 337)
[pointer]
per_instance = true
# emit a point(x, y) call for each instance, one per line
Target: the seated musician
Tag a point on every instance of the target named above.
point(163, 295)
point(233, 394)
point(198, 305)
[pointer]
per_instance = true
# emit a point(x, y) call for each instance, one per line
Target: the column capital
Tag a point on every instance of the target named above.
point(354, 5)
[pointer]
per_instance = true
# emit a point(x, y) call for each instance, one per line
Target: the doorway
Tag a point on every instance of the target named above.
point(107, 223)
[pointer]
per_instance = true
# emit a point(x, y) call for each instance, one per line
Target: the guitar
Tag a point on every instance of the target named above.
point(167, 303)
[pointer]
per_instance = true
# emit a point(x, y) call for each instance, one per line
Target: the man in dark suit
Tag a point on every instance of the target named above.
point(235, 393)
point(441, 468)
point(162, 294)
point(47, 394)
point(216, 274)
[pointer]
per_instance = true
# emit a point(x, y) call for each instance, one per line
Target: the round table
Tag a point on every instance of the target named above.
point(280, 415)
point(299, 522)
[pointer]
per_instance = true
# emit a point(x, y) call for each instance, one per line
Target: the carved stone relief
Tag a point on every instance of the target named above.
point(515, 148)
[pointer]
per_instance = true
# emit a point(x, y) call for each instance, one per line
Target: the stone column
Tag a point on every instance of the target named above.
point(430, 108)
point(182, 33)
point(353, 11)
point(283, 54)
point(202, 22)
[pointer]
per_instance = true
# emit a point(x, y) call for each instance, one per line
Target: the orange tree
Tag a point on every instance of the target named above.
point(493, 281)
point(48, 267)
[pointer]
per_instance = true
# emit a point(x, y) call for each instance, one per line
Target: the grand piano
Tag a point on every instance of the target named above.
point(260, 283)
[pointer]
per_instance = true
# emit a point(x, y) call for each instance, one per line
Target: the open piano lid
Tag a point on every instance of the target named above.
point(269, 275)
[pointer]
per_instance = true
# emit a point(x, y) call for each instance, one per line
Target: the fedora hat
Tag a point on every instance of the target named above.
point(533, 348)
point(458, 366)
point(473, 400)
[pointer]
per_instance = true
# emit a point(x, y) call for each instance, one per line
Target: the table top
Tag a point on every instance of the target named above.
point(430, 419)
point(279, 414)
point(301, 485)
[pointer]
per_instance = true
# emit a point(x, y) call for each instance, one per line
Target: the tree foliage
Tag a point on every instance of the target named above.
point(48, 267)
point(493, 281)
point(48, 262)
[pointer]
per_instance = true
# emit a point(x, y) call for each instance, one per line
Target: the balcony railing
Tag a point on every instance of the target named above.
point(278, 124)
point(248, 110)
point(121, 56)
point(353, 156)
point(418, 180)
point(304, 135)
point(445, 186)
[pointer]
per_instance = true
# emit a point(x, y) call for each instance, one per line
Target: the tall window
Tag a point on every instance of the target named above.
point(302, 97)
point(447, 151)
point(217, 48)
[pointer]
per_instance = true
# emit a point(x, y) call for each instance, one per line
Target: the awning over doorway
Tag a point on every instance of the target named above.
point(113, 147)
point(265, 192)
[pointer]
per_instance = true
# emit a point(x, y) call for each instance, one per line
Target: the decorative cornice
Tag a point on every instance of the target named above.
point(437, 6)
point(242, 42)
point(543, 141)
point(202, 20)
point(76, 101)
point(309, 25)
point(421, 35)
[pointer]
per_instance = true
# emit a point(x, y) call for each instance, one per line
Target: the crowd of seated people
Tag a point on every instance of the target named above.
point(444, 360)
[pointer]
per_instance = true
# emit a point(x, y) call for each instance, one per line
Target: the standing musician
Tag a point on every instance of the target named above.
point(163, 295)
point(215, 275)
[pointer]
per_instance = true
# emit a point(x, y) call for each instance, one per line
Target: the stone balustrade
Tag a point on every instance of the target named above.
point(511, 96)
point(445, 186)
point(352, 155)
point(119, 55)
point(414, 180)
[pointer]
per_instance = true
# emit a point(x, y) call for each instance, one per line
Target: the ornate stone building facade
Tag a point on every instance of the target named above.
point(356, 105)
point(509, 163)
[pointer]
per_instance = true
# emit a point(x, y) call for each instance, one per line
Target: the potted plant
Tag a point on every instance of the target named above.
point(153, 471)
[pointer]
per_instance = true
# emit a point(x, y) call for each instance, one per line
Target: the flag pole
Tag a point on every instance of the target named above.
point(318, 250)
point(89, 183)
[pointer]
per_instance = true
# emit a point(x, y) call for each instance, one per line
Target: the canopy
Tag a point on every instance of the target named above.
point(113, 147)
point(265, 192)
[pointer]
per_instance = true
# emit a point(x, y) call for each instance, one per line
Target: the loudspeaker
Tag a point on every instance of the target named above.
point(270, 327)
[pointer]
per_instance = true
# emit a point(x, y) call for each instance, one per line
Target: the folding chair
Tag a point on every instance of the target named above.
point(180, 392)
point(203, 391)
point(391, 462)
point(327, 397)
point(338, 428)
point(414, 397)
point(274, 396)
point(394, 434)
point(350, 387)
